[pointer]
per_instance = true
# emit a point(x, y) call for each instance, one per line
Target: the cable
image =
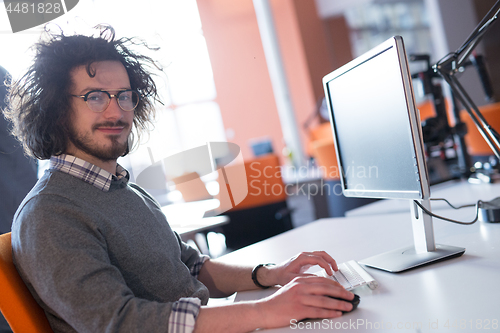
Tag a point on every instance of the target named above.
point(459, 207)
point(447, 219)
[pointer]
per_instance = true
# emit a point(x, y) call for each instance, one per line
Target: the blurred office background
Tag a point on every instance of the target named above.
point(216, 84)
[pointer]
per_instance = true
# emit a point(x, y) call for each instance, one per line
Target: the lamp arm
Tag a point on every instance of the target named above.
point(449, 66)
point(488, 133)
point(475, 37)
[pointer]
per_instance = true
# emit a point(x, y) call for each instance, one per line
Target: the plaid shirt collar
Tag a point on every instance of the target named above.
point(86, 171)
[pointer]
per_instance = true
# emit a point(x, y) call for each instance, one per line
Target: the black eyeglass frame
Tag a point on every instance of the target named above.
point(120, 91)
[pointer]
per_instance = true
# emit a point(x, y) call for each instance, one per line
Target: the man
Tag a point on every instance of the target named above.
point(95, 250)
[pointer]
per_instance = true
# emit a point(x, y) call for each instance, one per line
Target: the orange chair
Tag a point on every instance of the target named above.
point(191, 187)
point(265, 185)
point(323, 151)
point(426, 109)
point(476, 145)
point(16, 303)
point(321, 132)
point(322, 148)
point(263, 213)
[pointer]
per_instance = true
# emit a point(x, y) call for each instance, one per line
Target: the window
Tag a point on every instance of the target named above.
point(189, 117)
point(373, 23)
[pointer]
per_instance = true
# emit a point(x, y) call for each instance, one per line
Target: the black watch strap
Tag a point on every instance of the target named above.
point(254, 275)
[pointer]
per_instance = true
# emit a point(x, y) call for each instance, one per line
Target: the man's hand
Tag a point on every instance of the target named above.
point(304, 297)
point(295, 267)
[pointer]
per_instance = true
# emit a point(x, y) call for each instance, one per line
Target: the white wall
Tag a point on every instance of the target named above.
point(452, 21)
point(329, 8)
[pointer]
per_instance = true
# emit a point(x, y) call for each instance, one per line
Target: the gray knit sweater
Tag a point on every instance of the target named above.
point(101, 261)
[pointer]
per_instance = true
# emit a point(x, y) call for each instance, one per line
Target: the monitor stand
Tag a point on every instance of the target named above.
point(423, 252)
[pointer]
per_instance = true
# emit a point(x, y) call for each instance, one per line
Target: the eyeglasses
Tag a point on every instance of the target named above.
point(98, 100)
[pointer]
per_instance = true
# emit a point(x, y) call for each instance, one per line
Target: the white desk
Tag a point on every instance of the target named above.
point(187, 218)
point(189, 229)
point(457, 192)
point(444, 293)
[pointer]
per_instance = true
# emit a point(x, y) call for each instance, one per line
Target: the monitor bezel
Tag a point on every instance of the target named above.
point(396, 44)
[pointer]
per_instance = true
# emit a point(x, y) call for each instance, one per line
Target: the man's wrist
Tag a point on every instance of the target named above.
point(261, 276)
point(247, 316)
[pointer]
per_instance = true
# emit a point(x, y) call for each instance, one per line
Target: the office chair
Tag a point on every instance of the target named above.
point(323, 151)
point(22, 312)
point(427, 109)
point(320, 132)
point(264, 211)
point(191, 187)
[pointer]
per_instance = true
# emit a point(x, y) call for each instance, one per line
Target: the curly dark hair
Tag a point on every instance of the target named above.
point(39, 102)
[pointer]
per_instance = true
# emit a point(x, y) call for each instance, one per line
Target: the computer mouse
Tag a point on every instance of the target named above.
point(355, 301)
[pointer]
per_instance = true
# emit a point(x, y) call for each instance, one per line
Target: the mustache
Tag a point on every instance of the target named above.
point(119, 123)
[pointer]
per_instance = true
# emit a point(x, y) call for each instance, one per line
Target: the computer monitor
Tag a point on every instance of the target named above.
point(379, 146)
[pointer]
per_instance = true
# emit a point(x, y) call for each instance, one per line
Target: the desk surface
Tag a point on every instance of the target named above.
point(457, 192)
point(207, 223)
point(457, 295)
point(187, 218)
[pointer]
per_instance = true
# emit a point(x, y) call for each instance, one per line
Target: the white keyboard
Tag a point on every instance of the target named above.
point(351, 275)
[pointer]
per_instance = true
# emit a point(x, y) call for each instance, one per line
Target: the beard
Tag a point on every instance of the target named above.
point(86, 144)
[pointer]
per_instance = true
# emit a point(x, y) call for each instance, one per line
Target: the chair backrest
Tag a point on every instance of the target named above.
point(322, 132)
point(19, 308)
point(191, 187)
point(264, 181)
point(426, 109)
point(323, 152)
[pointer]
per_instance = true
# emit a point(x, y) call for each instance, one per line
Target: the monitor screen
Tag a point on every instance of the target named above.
point(376, 128)
point(379, 146)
